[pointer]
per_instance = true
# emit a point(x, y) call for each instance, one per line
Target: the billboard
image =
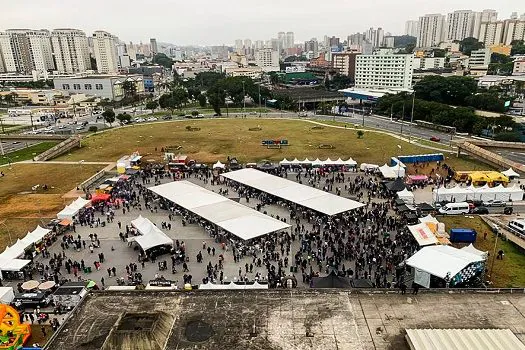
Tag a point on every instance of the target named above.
point(295, 69)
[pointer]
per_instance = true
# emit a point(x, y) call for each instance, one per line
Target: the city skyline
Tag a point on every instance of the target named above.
point(242, 19)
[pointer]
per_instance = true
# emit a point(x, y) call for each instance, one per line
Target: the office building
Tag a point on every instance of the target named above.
point(384, 69)
point(431, 29)
point(411, 28)
point(24, 51)
point(268, 60)
point(491, 33)
point(259, 44)
point(239, 45)
point(479, 58)
point(311, 47)
point(482, 17)
point(514, 30)
point(70, 49)
point(375, 36)
point(460, 24)
point(356, 39)
point(105, 47)
point(389, 42)
point(103, 86)
point(429, 63)
point(345, 63)
point(289, 40)
point(333, 42)
point(153, 46)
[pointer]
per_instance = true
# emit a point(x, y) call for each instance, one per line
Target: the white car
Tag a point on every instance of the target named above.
point(62, 126)
point(152, 119)
point(79, 127)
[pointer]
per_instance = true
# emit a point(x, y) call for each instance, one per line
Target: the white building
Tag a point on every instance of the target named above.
point(460, 24)
point(289, 41)
point(411, 28)
point(250, 72)
point(268, 60)
point(519, 66)
point(105, 47)
point(375, 36)
point(70, 48)
point(25, 50)
point(491, 33)
point(514, 30)
point(153, 46)
point(429, 63)
point(481, 17)
point(384, 69)
point(431, 29)
point(103, 86)
point(479, 58)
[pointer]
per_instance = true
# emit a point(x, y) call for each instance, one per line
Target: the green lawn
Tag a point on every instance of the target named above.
point(507, 273)
point(26, 153)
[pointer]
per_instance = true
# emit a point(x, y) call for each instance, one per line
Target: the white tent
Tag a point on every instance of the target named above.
point(440, 261)
point(307, 161)
point(369, 167)
point(13, 264)
point(350, 162)
point(406, 196)
point(328, 161)
point(6, 295)
point(485, 193)
point(284, 162)
point(295, 162)
point(241, 221)
point(233, 285)
point(151, 235)
point(387, 172)
point(317, 162)
point(72, 209)
point(471, 249)
point(218, 165)
point(430, 219)
point(294, 192)
point(511, 174)
point(37, 234)
point(339, 162)
point(422, 234)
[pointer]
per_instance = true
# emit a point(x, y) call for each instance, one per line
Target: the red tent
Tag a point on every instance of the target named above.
point(101, 197)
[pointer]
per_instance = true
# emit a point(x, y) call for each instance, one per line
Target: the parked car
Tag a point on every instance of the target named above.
point(495, 203)
point(480, 210)
point(167, 117)
point(435, 139)
point(475, 202)
point(81, 127)
point(152, 119)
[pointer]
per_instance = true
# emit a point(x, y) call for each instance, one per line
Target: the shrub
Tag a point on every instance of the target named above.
point(93, 128)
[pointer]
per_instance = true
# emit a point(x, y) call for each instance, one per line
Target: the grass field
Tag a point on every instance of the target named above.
point(507, 273)
point(21, 209)
point(26, 153)
point(220, 138)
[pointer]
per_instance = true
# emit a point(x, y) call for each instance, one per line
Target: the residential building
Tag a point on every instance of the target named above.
point(103, 86)
point(289, 41)
point(259, 44)
point(389, 42)
point(514, 30)
point(429, 63)
point(345, 63)
point(481, 17)
point(460, 24)
point(450, 46)
point(153, 46)
point(239, 45)
point(375, 36)
point(491, 33)
point(519, 66)
point(25, 50)
point(70, 49)
point(219, 52)
point(281, 38)
point(250, 72)
point(384, 69)
point(241, 60)
point(105, 47)
point(334, 42)
point(356, 39)
point(268, 60)
point(411, 28)
point(479, 58)
point(431, 29)
point(311, 46)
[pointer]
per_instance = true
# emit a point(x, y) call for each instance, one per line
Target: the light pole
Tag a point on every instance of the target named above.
point(260, 98)
point(243, 100)
point(411, 116)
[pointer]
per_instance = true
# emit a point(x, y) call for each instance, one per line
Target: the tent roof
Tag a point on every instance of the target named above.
point(242, 221)
point(439, 260)
point(429, 218)
point(405, 194)
point(471, 249)
point(396, 185)
point(13, 264)
point(292, 191)
point(510, 173)
point(218, 165)
point(233, 285)
point(331, 281)
point(151, 235)
point(423, 234)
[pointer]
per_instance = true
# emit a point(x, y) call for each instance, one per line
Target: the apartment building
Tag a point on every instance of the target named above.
point(105, 47)
point(268, 60)
point(491, 33)
point(514, 30)
point(479, 58)
point(384, 69)
point(460, 24)
point(70, 49)
point(429, 63)
point(431, 30)
point(25, 50)
point(345, 63)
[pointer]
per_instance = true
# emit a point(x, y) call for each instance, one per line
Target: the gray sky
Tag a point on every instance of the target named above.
point(211, 22)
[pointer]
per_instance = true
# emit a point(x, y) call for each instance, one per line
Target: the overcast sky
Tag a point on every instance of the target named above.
point(215, 22)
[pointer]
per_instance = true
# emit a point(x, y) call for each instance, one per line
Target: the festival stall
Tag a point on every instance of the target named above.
point(233, 285)
point(406, 196)
point(416, 179)
point(151, 236)
point(71, 210)
point(445, 266)
point(423, 234)
point(369, 167)
point(511, 174)
point(350, 163)
point(485, 193)
point(219, 165)
point(100, 197)
point(392, 172)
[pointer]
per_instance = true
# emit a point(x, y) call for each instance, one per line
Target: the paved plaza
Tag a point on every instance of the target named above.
point(118, 254)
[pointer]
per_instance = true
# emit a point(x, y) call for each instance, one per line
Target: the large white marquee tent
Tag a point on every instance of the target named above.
point(239, 220)
point(485, 193)
point(151, 236)
point(306, 196)
point(9, 259)
point(71, 210)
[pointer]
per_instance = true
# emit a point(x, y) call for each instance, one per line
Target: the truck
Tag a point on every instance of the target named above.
point(463, 235)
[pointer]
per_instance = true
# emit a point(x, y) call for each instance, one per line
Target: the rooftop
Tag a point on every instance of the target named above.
point(298, 319)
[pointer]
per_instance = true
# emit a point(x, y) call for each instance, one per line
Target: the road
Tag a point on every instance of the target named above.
point(12, 146)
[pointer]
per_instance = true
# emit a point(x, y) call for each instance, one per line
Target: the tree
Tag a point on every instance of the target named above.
point(470, 44)
point(123, 117)
point(130, 89)
point(360, 134)
point(93, 62)
point(202, 100)
point(163, 60)
point(153, 105)
point(168, 102)
point(518, 47)
point(403, 40)
point(109, 116)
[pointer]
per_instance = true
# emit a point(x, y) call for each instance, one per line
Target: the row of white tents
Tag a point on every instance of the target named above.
point(485, 193)
point(9, 259)
point(328, 162)
point(72, 210)
point(233, 285)
point(150, 235)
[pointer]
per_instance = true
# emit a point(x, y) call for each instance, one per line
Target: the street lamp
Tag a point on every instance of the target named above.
point(411, 116)
point(243, 100)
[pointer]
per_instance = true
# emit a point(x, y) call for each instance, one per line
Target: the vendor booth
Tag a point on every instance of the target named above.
point(233, 286)
point(150, 235)
point(100, 197)
point(406, 196)
point(70, 211)
point(219, 165)
point(422, 234)
point(392, 172)
point(485, 193)
point(511, 174)
point(445, 266)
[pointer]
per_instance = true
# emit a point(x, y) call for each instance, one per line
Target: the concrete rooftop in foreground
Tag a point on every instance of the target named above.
point(332, 319)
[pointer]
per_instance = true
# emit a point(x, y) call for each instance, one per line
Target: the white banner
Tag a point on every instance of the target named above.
point(422, 278)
